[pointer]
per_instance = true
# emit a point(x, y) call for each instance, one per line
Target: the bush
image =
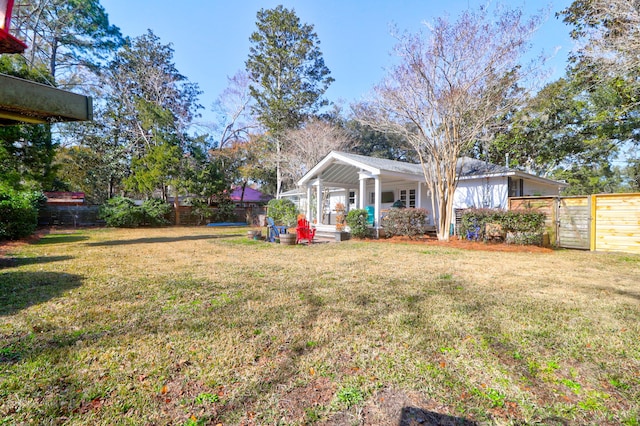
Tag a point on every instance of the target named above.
point(155, 212)
point(18, 212)
point(405, 222)
point(474, 222)
point(121, 212)
point(200, 210)
point(282, 211)
point(357, 221)
point(520, 227)
point(225, 210)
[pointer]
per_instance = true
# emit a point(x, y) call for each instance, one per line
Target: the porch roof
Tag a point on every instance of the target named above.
point(343, 168)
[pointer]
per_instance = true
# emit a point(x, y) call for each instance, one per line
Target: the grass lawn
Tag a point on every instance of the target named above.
point(191, 326)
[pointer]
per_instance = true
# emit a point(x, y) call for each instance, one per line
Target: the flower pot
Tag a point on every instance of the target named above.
point(288, 239)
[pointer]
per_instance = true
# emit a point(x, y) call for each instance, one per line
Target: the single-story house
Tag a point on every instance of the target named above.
point(375, 184)
point(248, 197)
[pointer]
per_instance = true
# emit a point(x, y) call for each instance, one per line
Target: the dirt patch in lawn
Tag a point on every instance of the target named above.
point(457, 243)
point(300, 403)
point(392, 407)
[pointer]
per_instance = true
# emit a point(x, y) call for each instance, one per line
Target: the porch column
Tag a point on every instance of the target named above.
point(346, 200)
point(378, 191)
point(363, 190)
point(419, 195)
point(319, 202)
point(308, 207)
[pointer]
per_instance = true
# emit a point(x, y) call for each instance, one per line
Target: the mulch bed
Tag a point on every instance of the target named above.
point(454, 242)
point(8, 246)
point(457, 243)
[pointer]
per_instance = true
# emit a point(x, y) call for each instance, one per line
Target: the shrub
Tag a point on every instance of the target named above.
point(282, 211)
point(357, 221)
point(474, 222)
point(225, 211)
point(155, 212)
point(521, 227)
point(121, 212)
point(406, 222)
point(19, 212)
point(200, 210)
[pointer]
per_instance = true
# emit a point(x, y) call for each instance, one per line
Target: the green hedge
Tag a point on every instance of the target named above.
point(520, 227)
point(19, 212)
point(405, 222)
point(122, 212)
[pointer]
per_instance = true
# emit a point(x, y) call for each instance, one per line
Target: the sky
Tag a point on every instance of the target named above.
point(210, 38)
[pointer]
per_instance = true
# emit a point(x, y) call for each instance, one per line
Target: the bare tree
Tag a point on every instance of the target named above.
point(234, 122)
point(451, 83)
point(310, 144)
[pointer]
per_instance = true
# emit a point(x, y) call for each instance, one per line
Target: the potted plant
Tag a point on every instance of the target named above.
point(340, 217)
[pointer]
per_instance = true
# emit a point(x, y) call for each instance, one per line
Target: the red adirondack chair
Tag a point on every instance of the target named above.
point(304, 231)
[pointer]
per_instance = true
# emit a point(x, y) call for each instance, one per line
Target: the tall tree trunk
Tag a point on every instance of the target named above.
point(176, 206)
point(52, 60)
point(278, 168)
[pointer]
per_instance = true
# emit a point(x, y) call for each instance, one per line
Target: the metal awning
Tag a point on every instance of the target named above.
point(23, 101)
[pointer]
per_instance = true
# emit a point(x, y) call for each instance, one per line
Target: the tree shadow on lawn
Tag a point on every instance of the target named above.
point(160, 240)
point(19, 290)
point(14, 262)
point(61, 239)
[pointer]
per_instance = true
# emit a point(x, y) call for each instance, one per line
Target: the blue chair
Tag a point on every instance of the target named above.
point(274, 231)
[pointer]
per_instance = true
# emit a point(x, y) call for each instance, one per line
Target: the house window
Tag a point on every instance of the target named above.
point(408, 197)
point(352, 198)
point(516, 187)
point(385, 197)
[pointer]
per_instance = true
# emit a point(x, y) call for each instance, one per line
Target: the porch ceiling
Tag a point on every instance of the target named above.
point(339, 173)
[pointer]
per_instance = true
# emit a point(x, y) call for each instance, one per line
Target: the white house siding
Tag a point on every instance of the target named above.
point(481, 193)
point(531, 188)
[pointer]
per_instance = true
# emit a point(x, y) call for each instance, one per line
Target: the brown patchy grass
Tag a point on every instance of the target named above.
point(203, 326)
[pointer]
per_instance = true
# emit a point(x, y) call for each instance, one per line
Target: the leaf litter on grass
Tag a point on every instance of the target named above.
point(538, 335)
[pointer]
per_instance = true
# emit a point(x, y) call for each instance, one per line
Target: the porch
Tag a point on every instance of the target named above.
point(359, 182)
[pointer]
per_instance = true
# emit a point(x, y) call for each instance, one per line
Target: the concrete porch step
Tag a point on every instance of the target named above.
point(328, 232)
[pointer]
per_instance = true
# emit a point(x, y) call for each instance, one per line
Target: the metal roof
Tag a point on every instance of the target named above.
point(344, 169)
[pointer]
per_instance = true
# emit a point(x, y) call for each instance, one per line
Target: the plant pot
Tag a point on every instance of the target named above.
point(288, 239)
point(342, 236)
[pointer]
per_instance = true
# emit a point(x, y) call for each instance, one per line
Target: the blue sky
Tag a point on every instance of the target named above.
point(211, 37)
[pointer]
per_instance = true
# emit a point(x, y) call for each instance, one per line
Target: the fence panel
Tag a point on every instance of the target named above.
point(574, 222)
point(74, 216)
point(617, 222)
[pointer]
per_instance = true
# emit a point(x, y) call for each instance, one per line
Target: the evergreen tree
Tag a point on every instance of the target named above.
point(288, 76)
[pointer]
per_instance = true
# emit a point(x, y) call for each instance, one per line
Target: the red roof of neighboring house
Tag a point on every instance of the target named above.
point(250, 195)
point(64, 197)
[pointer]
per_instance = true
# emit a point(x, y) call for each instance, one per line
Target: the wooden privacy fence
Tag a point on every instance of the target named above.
point(602, 222)
point(80, 216)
